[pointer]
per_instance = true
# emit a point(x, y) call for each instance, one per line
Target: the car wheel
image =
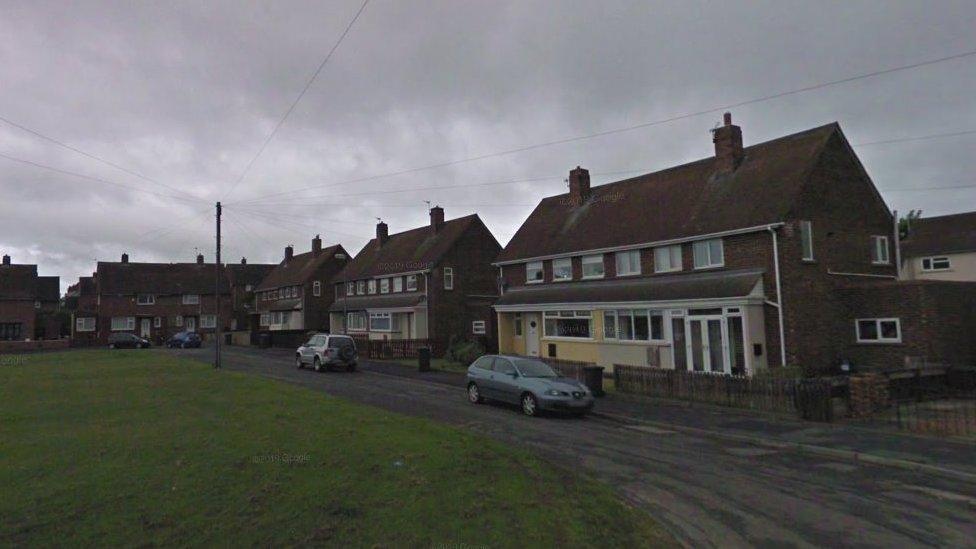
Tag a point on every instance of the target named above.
point(530, 406)
point(317, 364)
point(298, 362)
point(474, 394)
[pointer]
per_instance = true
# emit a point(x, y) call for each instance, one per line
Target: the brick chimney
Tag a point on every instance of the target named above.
point(728, 145)
point(289, 252)
point(6, 259)
point(436, 218)
point(316, 245)
point(199, 259)
point(382, 233)
point(579, 185)
point(243, 261)
point(125, 258)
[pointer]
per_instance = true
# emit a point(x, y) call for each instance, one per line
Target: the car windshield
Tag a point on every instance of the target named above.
point(534, 368)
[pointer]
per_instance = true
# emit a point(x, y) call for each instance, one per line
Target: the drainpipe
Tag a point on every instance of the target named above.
point(897, 245)
point(427, 308)
point(779, 298)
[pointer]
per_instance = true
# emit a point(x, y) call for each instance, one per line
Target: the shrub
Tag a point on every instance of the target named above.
point(464, 351)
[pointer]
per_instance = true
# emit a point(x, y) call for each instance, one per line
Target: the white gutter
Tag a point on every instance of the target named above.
point(779, 297)
point(869, 275)
point(732, 232)
point(601, 305)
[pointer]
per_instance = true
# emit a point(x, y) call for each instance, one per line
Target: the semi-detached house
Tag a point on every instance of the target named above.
point(29, 303)
point(780, 253)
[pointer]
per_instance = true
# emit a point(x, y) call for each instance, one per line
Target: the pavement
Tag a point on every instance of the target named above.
point(712, 477)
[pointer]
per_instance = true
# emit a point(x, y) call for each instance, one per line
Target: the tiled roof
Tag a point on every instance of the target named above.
point(300, 269)
point(49, 288)
point(414, 250)
point(250, 273)
point(18, 281)
point(156, 278)
point(389, 301)
point(941, 235)
point(677, 287)
point(682, 201)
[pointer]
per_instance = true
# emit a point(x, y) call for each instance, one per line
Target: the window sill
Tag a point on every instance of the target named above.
point(594, 277)
point(669, 271)
point(804, 260)
point(881, 264)
point(562, 338)
point(709, 267)
point(893, 343)
point(624, 275)
point(562, 280)
point(647, 343)
point(534, 281)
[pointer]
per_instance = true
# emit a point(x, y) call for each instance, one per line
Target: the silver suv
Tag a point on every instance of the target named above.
point(326, 352)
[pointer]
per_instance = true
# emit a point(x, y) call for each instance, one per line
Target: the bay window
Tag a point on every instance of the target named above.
point(575, 324)
point(380, 322)
point(634, 325)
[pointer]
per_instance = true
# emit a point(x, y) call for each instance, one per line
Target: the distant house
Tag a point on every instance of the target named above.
point(433, 282)
point(295, 295)
point(81, 301)
point(244, 279)
point(940, 248)
point(29, 304)
point(153, 300)
point(779, 253)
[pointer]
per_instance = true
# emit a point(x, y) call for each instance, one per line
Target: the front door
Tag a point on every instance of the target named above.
point(707, 344)
point(532, 335)
point(191, 323)
point(144, 327)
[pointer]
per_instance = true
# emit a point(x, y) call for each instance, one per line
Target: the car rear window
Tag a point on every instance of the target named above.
point(339, 342)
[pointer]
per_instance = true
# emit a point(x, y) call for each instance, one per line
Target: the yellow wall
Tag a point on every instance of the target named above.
point(508, 343)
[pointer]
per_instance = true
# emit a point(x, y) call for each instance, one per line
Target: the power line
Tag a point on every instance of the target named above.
point(647, 124)
point(96, 179)
point(273, 220)
point(919, 138)
point(294, 103)
point(929, 188)
point(89, 155)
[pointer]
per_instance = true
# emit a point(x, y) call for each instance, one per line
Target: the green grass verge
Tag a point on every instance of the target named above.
point(144, 448)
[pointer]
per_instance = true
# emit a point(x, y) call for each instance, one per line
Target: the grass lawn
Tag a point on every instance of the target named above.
point(143, 448)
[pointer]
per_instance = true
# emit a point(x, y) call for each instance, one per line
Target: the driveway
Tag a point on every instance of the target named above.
point(705, 491)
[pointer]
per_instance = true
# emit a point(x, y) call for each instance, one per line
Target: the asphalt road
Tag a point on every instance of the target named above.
point(705, 491)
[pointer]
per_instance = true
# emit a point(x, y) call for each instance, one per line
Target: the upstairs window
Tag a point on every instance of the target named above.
point(372, 286)
point(411, 283)
point(806, 240)
point(562, 269)
point(930, 264)
point(384, 285)
point(878, 330)
point(350, 288)
point(316, 288)
point(533, 272)
point(361, 287)
point(667, 259)
point(709, 253)
point(191, 299)
point(628, 263)
point(879, 250)
point(145, 299)
point(448, 278)
point(398, 284)
point(593, 266)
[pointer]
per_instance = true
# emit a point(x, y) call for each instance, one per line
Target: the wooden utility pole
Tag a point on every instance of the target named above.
point(217, 296)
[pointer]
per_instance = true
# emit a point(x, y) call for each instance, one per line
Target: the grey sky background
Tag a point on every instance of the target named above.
point(185, 93)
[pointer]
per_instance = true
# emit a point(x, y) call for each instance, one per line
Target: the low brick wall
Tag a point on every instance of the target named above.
point(39, 345)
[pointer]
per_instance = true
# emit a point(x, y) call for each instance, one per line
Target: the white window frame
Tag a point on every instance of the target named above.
point(478, 327)
point(629, 255)
point(316, 288)
point(711, 261)
point(123, 323)
point(141, 299)
point(535, 267)
point(592, 260)
point(265, 319)
point(350, 288)
point(879, 248)
point(208, 321)
point(85, 324)
point(158, 322)
point(178, 321)
point(360, 287)
point(672, 253)
point(517, 326)
point(877, 326)
point(931, 268)
point(356, 321)
point(398, 284)
point(371, 286)
point(633, 313)
point(384, 285)
point(387, 316)
point(568, 314)
point(806, 240)
point(191, 299)
point(411, 283)
point(448, 278)
point(562, 263)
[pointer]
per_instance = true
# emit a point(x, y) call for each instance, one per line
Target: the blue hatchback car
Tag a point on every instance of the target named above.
point(530, 383)
point(184, 340)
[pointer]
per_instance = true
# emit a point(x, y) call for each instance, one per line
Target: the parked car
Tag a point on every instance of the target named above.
point(126, 340)
point(327, 351)
point(528, 382)
point(184, 340)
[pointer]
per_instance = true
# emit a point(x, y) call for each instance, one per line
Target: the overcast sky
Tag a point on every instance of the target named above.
point(185, 94)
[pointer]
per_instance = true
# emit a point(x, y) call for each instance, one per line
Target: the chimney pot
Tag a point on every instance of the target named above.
point(243, 261)
point(6, 259)
point(199, 259)
point(316, 244)
point(579, 185)
point(289, 252)
point(382, 233)
point(125, 258)
point(436, 218)
point(728, 145)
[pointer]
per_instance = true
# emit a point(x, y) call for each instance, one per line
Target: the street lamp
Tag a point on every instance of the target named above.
point(344, 294)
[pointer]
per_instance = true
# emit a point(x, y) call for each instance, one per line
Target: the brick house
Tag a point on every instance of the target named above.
point(433, 282)
point(29, 304)
point(940, 248)
point(755, 257)
point(153, 300)
point(244, 279)
point(296, 294)
point(80, 301)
